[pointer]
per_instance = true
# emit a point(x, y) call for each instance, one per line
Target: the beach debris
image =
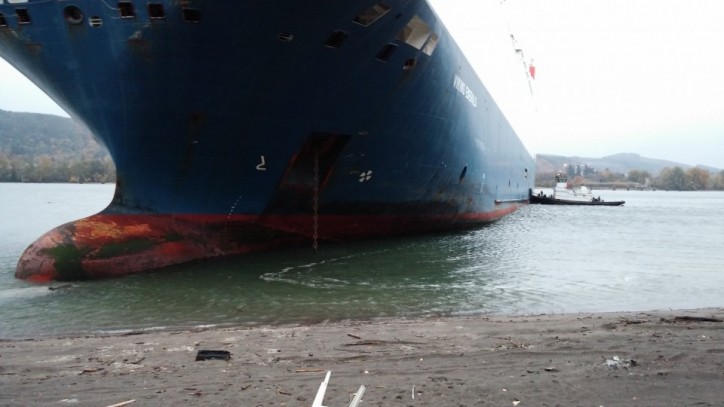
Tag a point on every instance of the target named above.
point(60, 287)
point(511, 344)
point(516, 402)
point(551, 369)
point(629, 321)
point(123, 403)
point(617, 362)
point(91, 370)
point(131, 333)
point(322, 389)
point(696, 319)
point(354, 336)
point(135, 362)
point(305, 370)
point(381, 342)
point(213, 354)
point(181, 349)
point(356, 399)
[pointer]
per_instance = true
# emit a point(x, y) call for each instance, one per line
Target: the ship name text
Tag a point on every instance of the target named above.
point(464, 90)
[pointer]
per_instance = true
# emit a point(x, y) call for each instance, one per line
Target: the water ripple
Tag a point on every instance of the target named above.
point(661, 250)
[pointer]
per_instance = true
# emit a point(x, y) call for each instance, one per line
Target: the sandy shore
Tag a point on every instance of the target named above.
point(618, 359)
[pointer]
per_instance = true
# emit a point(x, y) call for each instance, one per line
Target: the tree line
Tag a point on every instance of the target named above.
point(670, 179)
point(692, 179)
point(45, 168)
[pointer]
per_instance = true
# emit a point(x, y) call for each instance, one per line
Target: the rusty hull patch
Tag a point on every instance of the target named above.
point(104, 245)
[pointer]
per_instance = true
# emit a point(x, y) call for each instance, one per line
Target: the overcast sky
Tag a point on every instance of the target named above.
point(643, 76)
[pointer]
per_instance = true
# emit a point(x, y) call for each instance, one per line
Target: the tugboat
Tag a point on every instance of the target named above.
point(563, 194)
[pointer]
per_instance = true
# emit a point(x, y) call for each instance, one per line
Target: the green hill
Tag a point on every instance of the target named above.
point(621, 163)
point(45, 148)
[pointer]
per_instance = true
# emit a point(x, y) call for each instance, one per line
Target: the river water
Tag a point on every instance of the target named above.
point(661, 250)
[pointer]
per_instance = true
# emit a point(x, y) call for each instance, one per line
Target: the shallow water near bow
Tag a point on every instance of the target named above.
point(661, 250)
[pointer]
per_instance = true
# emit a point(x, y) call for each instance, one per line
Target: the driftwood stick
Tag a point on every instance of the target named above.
point(124, 403)
point(303, 370)
point(697, 319)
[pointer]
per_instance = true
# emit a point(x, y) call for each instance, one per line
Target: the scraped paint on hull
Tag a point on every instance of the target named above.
point(103, 246)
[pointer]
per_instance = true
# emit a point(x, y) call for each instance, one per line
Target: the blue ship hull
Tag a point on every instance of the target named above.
point(238, 126)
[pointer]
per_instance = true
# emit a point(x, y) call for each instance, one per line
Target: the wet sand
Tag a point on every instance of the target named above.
point(661, 358)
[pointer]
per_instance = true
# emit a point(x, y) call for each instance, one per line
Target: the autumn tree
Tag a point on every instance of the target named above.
point(717, 181)
point(697, 179)
point(638, 176)
point(6, 167)
point(672, 179)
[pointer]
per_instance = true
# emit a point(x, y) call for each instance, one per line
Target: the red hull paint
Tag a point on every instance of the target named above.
point(105, 245)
